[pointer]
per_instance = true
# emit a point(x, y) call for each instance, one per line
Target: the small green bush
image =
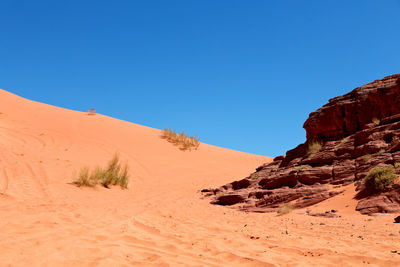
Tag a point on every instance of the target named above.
point(380, 177)
point(113, 174)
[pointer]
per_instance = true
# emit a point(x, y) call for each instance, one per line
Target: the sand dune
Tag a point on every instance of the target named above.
point(161, 219)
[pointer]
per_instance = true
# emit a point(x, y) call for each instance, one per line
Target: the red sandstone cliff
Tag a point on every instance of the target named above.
point(345, 139)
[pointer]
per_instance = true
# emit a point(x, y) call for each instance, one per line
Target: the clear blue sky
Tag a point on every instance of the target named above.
point(240, 74)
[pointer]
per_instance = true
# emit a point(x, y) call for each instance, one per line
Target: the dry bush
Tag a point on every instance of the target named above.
point(376, 121)
point(380, 177)
point(366, 157)
point(344, 140)
point(285, 209)
point(113, 174)
point(181, 140)
point(254, 176)
point(314, 146)
point(84, 178)
point(301, 167)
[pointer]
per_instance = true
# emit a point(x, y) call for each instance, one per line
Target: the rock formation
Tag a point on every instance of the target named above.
point(345, 139)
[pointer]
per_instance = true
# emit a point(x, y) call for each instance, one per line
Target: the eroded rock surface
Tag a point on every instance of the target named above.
point(345, 139)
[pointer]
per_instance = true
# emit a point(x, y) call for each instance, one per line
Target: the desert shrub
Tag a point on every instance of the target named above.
point(301, 167)
point(367, 157)
point(285, 209)
point(344, 140)
point(113, 174)
point(314, 146)
point(84, 178)
point(254, 176)
point(183, 141)
point(380, 177)
point(397, 164)
point(376, 121)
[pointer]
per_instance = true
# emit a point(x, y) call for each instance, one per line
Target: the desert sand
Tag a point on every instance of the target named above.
point(162, 219)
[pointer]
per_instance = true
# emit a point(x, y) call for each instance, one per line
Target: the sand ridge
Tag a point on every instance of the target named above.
point(161, 219)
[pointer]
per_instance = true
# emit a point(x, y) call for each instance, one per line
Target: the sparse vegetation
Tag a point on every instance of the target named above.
point(376, 121)
point(285, 209)
point(367, 157)
point(380, 177)
point(344, 140)
point(254, 176)
point(181, 140)
point(113, 174)
point(397, 165)
point(314, 146)
point(84, 178)
point(301, 167)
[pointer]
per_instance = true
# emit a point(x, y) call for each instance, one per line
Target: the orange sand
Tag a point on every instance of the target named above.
point(161, 219)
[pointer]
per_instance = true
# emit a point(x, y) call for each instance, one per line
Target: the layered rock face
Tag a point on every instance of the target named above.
point(345, 139)
point(353, 112)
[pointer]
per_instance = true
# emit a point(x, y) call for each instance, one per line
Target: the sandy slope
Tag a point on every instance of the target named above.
point(161, 220)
